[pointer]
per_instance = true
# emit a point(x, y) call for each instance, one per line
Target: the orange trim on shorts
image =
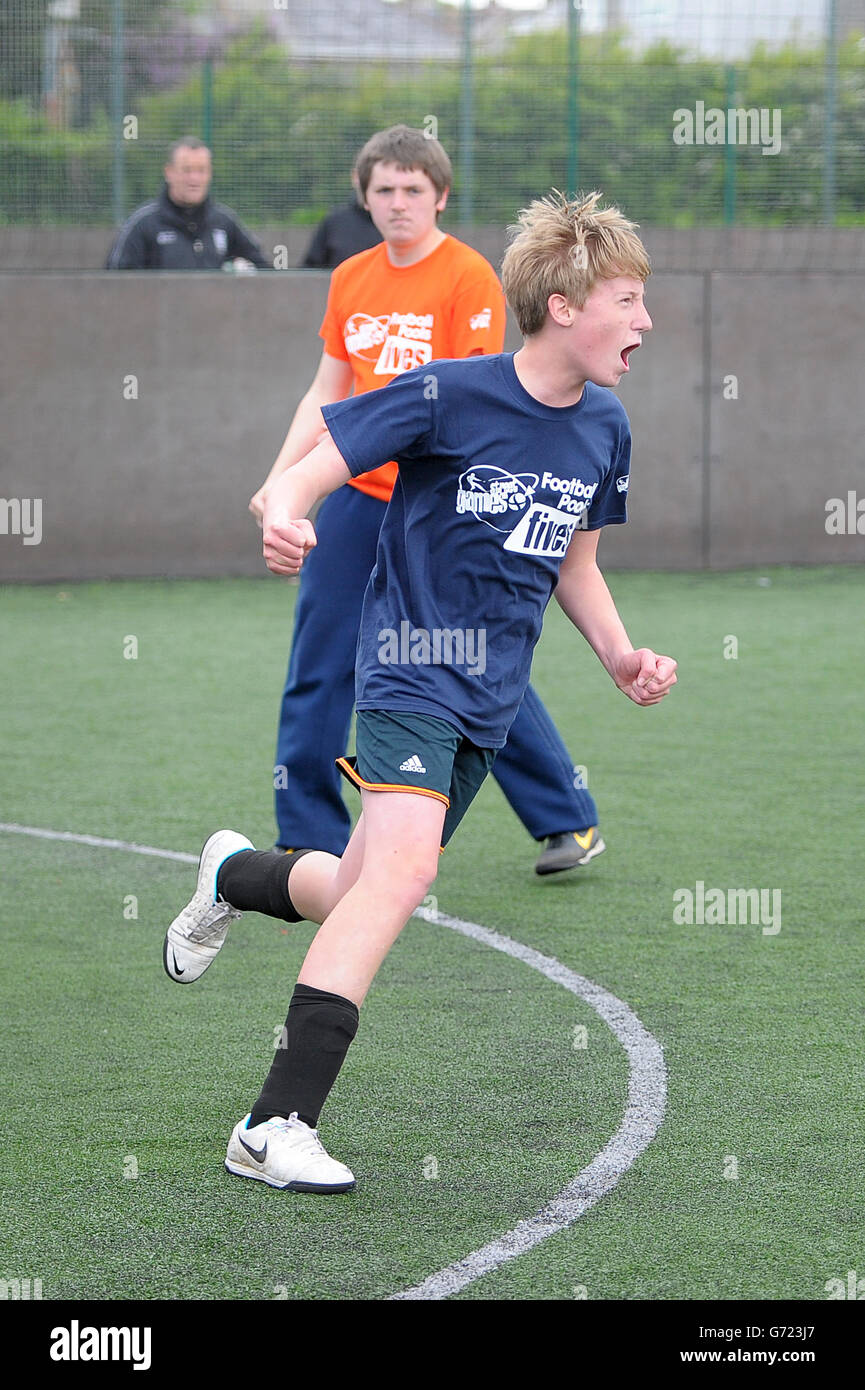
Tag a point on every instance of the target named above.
point(387, 786)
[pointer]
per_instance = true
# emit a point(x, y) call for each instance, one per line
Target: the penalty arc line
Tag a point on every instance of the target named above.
point(647, 1095)
point(647, 1091)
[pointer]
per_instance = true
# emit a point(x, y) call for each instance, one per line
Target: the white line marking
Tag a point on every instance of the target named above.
point(647, 1095)
point(647, 1090)
point(99, 842)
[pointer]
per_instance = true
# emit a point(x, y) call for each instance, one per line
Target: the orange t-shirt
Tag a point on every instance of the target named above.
point(384, 319)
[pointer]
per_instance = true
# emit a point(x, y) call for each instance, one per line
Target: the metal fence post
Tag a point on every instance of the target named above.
point(117, 113)
point(467, 122)
point(730, 154)
point(574, 9)
point(829, 120)
point(207, 102)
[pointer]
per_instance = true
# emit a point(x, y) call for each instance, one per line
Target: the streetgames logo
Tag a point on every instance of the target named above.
point(481, 320)
point(394, 342)
point(490, 492)
point(505, 501)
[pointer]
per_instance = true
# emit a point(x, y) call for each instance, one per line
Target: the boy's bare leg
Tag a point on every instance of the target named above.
point(397, 843)
point(319, 880)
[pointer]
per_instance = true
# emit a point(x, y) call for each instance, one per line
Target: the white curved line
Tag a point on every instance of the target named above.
point(647, 1090)
point(647, 1095)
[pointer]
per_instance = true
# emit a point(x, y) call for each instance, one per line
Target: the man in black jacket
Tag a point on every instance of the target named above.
point(183, 229)
point(344, 232)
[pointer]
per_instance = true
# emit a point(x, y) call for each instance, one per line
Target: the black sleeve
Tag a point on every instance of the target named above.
point(243, 243)
point(318, 251)
point(132, 249)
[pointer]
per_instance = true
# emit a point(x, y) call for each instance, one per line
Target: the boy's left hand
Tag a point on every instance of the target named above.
point(645, 677)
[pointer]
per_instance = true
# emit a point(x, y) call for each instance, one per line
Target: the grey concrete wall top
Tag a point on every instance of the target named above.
point(672, 249)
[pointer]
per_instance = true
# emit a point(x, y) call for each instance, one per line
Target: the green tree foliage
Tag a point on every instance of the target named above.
point(22, 37)
point(285, 133)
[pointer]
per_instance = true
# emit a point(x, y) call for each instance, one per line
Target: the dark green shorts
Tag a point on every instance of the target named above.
point(398, 751)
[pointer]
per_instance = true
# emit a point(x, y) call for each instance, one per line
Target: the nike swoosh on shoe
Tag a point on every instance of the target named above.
point(258, 1154)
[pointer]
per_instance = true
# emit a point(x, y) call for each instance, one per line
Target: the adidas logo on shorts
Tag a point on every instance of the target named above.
point(412, 764)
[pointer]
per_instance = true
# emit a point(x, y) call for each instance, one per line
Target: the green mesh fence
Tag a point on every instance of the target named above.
point(711, 114)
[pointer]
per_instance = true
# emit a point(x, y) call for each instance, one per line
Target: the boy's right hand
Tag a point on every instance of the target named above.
point(286, 545)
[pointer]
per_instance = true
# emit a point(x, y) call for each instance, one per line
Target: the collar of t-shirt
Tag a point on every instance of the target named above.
point(530, 402)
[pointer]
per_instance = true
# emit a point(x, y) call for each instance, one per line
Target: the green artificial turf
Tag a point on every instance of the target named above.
point(464, 1105)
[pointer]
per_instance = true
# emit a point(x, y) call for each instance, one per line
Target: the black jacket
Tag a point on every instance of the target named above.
point(164, 236)
point(342, 234)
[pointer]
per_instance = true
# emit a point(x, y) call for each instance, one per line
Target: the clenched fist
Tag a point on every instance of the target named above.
point(286, 546)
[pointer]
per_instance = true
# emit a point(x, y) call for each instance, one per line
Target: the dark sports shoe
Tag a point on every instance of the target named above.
point(570, 850)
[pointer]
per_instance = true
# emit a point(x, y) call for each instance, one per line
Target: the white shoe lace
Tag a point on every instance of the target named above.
point(304, 1139)
point(213, 921)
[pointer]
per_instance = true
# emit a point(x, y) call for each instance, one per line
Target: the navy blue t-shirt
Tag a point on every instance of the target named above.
point(491, 486)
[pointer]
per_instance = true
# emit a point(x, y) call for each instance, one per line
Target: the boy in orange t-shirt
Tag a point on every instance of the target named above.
point(420, 296)
point(407, 321)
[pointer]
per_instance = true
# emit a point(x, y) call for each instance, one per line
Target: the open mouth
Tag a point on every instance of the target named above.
point(626, 352)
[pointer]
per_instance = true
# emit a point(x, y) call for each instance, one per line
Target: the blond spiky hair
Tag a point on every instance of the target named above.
point(564, 246)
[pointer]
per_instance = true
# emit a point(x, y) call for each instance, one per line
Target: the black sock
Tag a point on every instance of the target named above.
point(256, 880)
point(317, 1035)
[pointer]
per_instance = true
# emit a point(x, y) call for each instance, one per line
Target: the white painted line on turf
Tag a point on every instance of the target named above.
point(647, 1096)
point(647, 1091)
point(99, 842)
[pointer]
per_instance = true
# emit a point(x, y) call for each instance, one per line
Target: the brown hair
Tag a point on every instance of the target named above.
point(407, 149)
point(562, 246)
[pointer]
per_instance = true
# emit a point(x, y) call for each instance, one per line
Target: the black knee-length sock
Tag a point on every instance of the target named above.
point(256, 880)
point(318, 1033)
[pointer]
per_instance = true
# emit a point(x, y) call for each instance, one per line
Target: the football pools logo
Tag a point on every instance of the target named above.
point(394, 342)
point(505, 501)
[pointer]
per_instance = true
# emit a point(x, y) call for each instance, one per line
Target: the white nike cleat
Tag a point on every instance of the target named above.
point(286, 1154)
point(197, 934)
